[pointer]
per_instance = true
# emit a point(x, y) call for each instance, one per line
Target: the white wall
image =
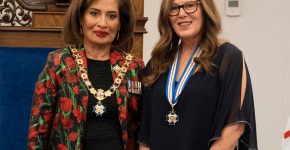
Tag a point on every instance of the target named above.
point(262, 32)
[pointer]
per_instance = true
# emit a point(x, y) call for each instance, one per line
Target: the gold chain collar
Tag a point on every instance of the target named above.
point(100, 94)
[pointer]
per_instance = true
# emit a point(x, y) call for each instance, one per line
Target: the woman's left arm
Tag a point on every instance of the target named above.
point(231, 134)
point(230, 137)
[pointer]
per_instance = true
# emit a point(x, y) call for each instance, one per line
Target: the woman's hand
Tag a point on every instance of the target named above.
point(141, 147)
point(230, 136)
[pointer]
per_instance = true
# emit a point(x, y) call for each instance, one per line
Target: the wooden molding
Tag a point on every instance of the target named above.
point(26, 29)
point(140, 24)
point(54, 8)
point(39, 5)
point(138, 7)
point(31, 39)
point(47, 20)
point(137, 49)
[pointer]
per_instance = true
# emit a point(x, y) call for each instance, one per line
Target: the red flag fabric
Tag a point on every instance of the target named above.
point(286, 139)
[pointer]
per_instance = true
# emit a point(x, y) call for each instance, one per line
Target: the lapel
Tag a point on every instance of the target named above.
point(82, 100)
point(118, 58)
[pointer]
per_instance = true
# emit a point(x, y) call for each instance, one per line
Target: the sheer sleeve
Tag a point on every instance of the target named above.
point(144, 134)
point(231, 109)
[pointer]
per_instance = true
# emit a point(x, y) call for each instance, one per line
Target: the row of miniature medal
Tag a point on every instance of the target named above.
point(132, 86)
point(172, 92)
point(99, 109)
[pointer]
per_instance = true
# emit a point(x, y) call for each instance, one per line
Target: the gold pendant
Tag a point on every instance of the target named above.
point(172, 117)
point(99, 109)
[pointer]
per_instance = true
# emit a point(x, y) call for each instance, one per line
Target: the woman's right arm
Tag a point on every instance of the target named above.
point(43, 107)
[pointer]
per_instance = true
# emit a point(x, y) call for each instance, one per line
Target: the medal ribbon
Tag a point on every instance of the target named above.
point(173, 92)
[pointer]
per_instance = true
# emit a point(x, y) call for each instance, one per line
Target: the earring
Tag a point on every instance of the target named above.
point(81, 30)
point(118, 35)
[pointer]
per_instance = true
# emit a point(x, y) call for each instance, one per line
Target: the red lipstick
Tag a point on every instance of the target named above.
point(101, 33)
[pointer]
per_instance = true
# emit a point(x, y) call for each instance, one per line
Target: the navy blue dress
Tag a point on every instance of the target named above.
point(207, 104)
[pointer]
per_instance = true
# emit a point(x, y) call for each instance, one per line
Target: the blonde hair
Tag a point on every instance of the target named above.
point(75, 13)
point(164, 52)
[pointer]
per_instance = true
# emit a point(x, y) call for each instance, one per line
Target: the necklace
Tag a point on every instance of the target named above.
point(99, 94)
point(173, 92)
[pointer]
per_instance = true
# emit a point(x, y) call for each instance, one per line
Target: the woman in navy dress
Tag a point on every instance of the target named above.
point(198, 93)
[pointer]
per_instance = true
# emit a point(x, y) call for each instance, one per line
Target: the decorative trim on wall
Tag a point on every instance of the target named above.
point(47, 20)
point(12, 14)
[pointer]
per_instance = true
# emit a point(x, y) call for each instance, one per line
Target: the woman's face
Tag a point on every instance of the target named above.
point(101, 22)
point(187, 25)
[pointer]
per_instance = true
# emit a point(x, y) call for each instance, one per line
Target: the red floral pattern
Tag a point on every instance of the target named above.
point(65, 71)
point(57, 54)
point(76, 90)
point(60, 116)
point(71, 78)
point(135, 79)
point(56, 61)
point(59, 79)
point(125, 135)
point(78, 114)
point(32, 144)
point(119, 100)
point(134, 103)
point(123, 91)
point(40, 89)
point(85, 101)
point(39, 101)
point(73, 136)
point(131, 144)
point(55, 124)
point(67, 123)
point(70, 62)
point(48, 116)
point(42, 128)
point(65, 104)
point(123, 113)
point(61, 147)
point(32, 133)
point(52, 73)
point(35, 111)
point(84, 115)
point(133, 66)
point(49, 84)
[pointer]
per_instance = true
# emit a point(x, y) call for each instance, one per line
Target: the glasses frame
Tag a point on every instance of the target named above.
point(182, 6)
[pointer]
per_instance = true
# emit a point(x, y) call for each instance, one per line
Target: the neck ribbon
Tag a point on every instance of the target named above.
point(173, 92)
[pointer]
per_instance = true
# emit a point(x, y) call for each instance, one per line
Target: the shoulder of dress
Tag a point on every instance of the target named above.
point(230, 50)
point(134, 58)
point(138, 60)
point(62, 52)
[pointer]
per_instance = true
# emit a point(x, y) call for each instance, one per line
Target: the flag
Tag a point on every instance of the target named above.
point(286, 139)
